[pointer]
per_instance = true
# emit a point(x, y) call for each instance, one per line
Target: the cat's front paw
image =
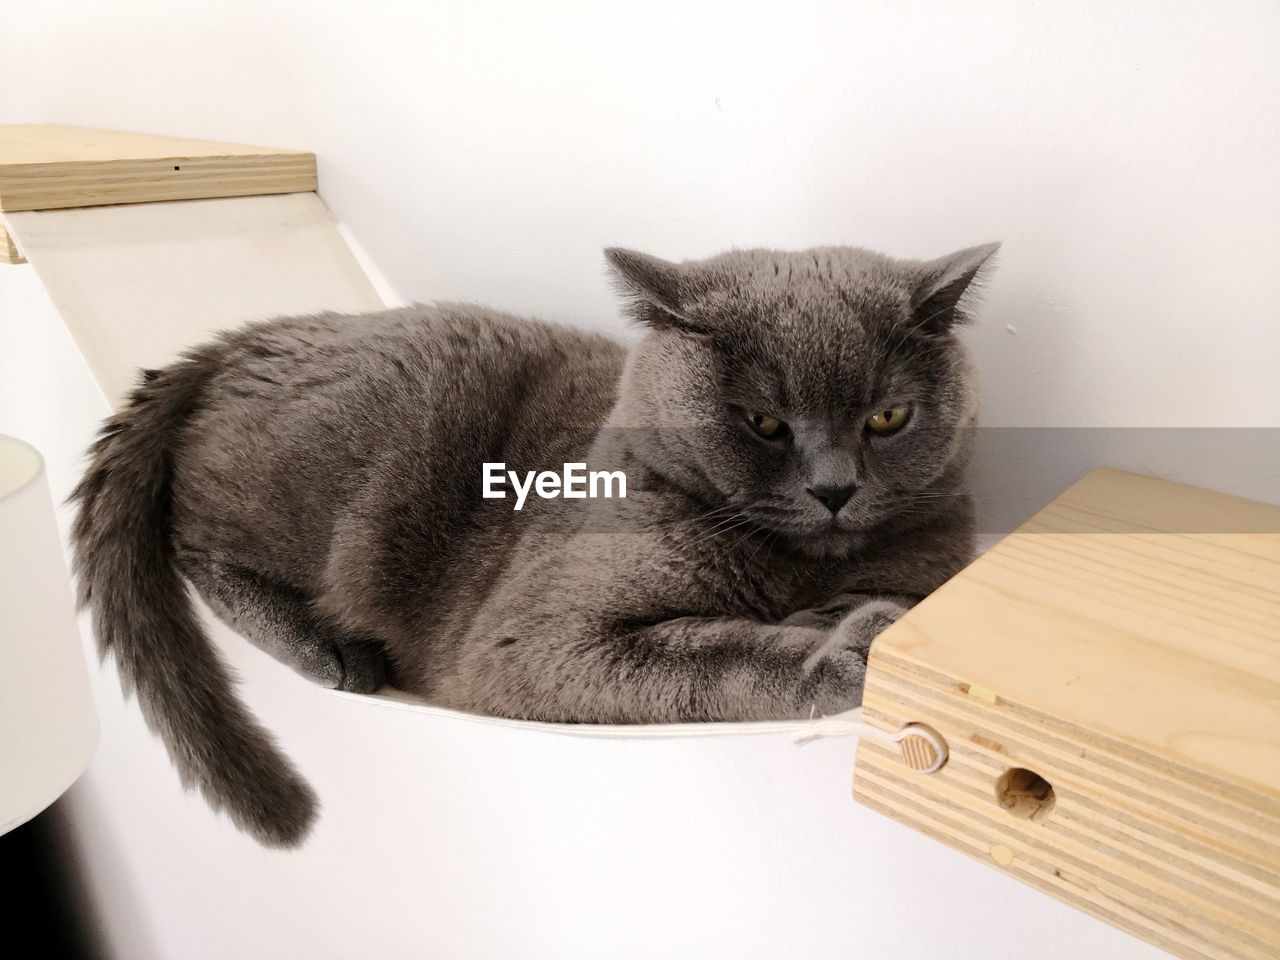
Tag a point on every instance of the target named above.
point(837, 668)
point(364, 666)
point(865, 623)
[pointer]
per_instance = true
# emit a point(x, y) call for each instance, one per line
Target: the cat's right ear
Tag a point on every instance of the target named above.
point(943, 285)
point(653, 289)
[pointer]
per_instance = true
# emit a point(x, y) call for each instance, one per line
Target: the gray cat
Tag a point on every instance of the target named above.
point(792, 428)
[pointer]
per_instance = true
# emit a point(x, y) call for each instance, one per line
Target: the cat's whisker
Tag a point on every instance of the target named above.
point(722, 530)
point(768, 537)
point(716, 526)
point(715, 511)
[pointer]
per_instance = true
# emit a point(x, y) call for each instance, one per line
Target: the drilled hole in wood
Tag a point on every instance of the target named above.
point(1025, 793)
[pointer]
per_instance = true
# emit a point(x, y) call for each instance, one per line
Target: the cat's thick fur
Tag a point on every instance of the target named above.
point(317, 479)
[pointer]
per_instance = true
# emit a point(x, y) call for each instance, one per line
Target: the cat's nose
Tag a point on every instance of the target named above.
point(833, 498)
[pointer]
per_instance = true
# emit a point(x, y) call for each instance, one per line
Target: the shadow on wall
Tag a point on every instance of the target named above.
point(1017, 470)
point(46, 901)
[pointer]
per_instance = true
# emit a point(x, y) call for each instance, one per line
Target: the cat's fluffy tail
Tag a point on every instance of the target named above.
point(142, 613)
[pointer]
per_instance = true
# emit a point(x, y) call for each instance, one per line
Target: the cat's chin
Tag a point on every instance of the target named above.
point(824, 541)
point(829, 543)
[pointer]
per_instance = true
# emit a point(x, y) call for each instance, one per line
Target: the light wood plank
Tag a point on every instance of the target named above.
point(1124, 646)
point(47, 167)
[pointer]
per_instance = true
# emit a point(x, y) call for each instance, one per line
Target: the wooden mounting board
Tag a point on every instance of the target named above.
point(1124, 646)
point(48, 167)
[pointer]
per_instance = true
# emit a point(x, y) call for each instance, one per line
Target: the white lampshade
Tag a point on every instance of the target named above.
point(48, 728)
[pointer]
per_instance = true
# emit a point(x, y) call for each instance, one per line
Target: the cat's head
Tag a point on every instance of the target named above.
point(818, 393)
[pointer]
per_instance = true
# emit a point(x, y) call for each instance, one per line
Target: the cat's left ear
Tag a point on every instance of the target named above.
point(941, 285)
point(655, 289)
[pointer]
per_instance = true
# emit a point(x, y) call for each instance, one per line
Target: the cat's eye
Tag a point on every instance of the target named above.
point(771, 428)
point(890, 420)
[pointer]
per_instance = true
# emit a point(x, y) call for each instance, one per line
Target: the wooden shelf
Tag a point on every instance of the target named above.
point(48, 167)
point(1108, 681)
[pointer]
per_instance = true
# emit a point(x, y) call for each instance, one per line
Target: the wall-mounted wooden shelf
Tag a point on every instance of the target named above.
point(146, 245)
point(48, 167)
point(1108, 681)
point(51, 167)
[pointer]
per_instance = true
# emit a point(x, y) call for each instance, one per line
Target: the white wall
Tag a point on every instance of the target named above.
point(1122, 150)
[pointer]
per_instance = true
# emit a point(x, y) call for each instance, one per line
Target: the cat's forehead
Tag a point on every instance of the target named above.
point(775, 364)
point(805, 293)
point(816, 330)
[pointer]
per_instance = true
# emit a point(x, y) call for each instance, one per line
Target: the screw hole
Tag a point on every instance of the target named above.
point(177, 168)
point(1024, 793)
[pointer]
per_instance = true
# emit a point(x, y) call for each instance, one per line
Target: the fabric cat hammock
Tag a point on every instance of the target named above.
point(1063, 710)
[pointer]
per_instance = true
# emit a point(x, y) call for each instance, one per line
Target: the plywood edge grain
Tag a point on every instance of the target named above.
point(100, 183)
point(1154, 811)
point(51, 168)
point(1194, 903)
point(907, 684)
